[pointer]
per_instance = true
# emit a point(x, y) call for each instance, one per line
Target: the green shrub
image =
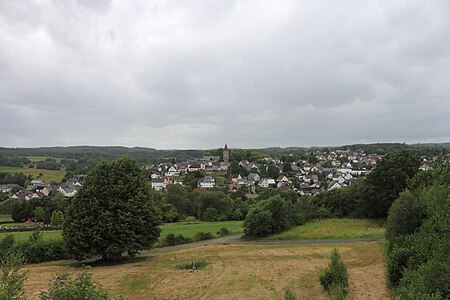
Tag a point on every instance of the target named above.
point(223, 231)
point(195, 265)
point(6, 244)
point(63, 287)
point(11, 276)
point(172, 239)
point(269, 216)
point(202, 235)
point(405, 215)
point(288, 295)
point(335, 279)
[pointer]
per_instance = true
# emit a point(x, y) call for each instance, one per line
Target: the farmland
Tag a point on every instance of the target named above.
point(48, 176)
point(233, 272)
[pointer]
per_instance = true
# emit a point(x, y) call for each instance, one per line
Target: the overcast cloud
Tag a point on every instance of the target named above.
point(196, 74)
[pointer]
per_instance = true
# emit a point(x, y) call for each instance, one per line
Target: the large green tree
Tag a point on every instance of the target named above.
point(113, 213)
point(387, 180)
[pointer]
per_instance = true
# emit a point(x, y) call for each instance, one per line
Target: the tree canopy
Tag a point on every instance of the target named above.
point(112, 213)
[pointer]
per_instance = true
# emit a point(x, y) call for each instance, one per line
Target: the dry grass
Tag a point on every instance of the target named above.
point(233, 272)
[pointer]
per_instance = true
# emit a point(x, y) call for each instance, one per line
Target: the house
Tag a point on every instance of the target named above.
point(159, 184)
point(8, 188)
point(336, 185)
point(206, 182)
point(194, 167)
point(235, 177)
point(179, 181)
point(172, 172)
point(282, 178)
point(22, 195)
point(67, 190)
point(424, 167)
point(254, 177)
point(267, 182)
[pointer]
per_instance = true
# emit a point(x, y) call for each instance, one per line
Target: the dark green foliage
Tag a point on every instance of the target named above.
point(405, 215)
point(63, 287)
point(418, 252)
point(214, 205)
point(269, 216)
point(6, 244)
point(223, 231)
point(179, 196)
point(172, 239)
point(112, 213)
point(11, 276)
point(195, 265)
point(48, 164)
point(202, 235)
point(22, 210)
point(335, 278)
point(288, 295)
point(169, 213)
point(16, 178)
point(387, 180)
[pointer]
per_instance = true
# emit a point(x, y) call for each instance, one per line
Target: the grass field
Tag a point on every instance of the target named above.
point(333, 229)
point(5, 218)
point(232, 272)
point(186, 229)
point(42, 158)
point(49, 176)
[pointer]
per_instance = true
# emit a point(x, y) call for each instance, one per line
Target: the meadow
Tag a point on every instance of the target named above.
point(48, 176)
point(186, 229)
point(232, 272)
point(333, 229)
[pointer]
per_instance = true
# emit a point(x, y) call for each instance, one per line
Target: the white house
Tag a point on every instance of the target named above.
point(267, 182)
point(206, 182)
point(158, 184)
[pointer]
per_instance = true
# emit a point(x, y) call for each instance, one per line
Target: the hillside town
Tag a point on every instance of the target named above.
point(322, 170)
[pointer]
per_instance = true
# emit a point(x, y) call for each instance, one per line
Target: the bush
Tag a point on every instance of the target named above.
point(172, 239)
point(64, 287)
point(269, 216)
point(405, 215)
point(202, 235)
point(335, 279)
point(11, 277)
point(288, 295)
point(6, 244)
point(223, 231)
point(195, 265)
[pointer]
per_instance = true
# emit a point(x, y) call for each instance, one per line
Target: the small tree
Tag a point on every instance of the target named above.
point(39, 214)
point(335, 279)
point(11, 277)
point(64, 287)
point(57, 218)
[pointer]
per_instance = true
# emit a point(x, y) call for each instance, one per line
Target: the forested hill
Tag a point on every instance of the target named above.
point(151, 155)
point(103, 153)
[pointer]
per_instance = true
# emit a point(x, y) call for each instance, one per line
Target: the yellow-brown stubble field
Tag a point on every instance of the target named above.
point(233, 272)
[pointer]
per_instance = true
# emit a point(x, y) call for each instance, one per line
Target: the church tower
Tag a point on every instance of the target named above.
point(226, 154)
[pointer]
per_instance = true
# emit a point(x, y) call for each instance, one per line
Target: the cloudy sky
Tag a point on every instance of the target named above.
point(197, 74)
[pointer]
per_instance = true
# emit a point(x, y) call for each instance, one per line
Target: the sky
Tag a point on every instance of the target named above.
point(196, 74)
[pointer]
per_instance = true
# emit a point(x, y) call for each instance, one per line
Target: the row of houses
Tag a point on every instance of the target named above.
point(40, 189)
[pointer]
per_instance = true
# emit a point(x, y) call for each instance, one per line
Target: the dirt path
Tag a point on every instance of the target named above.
point(235, 239)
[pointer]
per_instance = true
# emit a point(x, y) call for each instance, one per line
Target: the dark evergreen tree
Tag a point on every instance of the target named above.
point(113, 213)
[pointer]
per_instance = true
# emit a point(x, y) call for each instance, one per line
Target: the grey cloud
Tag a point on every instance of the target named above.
point(192, 74)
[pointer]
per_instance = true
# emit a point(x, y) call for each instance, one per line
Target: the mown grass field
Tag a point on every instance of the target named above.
point(49, 176)
point(333, 229)
point(232, 272)
point(186, 229)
